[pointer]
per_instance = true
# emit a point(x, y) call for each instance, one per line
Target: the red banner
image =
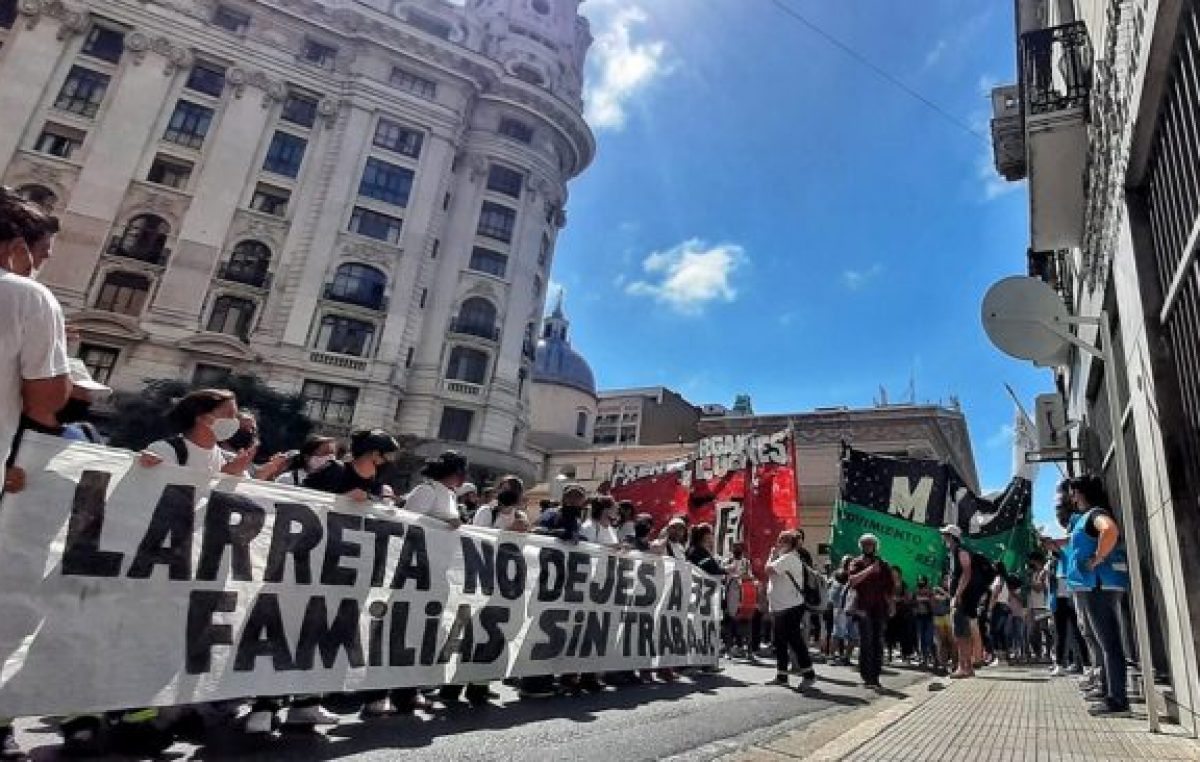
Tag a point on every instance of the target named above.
point(751, 480)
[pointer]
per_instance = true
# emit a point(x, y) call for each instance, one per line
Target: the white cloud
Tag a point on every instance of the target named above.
point(620, 67)
point(1002, 438)
point(690, 276)
point(857, 279)
point(935, 53)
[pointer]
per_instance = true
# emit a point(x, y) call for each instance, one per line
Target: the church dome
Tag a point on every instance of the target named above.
point(555, 362)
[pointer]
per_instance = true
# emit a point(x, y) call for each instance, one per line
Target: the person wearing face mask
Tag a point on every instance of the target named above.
point(203, 418)
point(468, 502)
point(499, 514)
point(599, 526)
point(314, 456)
point(359, 478)
point(33, 341)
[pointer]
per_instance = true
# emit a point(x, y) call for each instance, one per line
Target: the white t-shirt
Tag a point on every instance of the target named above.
point(484, 517)
point(33, 345)
point(782, 593)
point(433, 499)
point(210, 460)
point(594, 532)
point(627, 531)
point(1000, 591)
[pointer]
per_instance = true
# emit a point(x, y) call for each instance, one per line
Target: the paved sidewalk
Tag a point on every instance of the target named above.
point(1005, 715)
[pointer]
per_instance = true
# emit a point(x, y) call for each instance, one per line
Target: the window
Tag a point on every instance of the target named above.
point(299, 109)
point(104, 43)
point(412, 83)
point(231, 20)
point(516, 130)
point(83, 92)
point(99, 360)
point(8, 13)
point(488, 261)
point(496, 221)
point(393, 137)
point(59, 141)
point(40, 195)
point(501, 179)
point(207, 78)
point(231, 315)
point(375, 225)
point(430, 25)
point(468, 365)
point(357, 284)
point(285, 154)
point(170, 172)
point(329, 403)
point(477, 317)
point(581, 422)
point(346, 336)
point(270, 200)
point(456, 425)
point(386, 182)
point(123, 293)
point(144, 238)
point(210, 376)
point(319, 54)
point(189, 124)
point(248, 264)
point(544, 252)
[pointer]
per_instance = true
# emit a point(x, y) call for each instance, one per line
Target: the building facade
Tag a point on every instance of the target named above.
point(1104, 122)
point(909, 431)
point(563, 397)
point(647, 416)
point(356, 200)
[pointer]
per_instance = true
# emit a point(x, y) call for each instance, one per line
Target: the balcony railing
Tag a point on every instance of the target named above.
point(463, 387)
point(245, 277)
point(1008, 132)
point(338, 361)
point(1056, 68)
point(480, 330)
point(148, 254)
point(377, 303)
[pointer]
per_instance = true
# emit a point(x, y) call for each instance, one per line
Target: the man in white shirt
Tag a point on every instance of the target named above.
point(500, 513)
point(599, 526)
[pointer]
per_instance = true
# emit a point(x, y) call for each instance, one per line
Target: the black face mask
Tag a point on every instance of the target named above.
point(242, 440)
point(74, 411)
point(508, 497)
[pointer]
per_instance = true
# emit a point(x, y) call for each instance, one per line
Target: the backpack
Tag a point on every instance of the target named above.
point(816, 590)
point(180, 448)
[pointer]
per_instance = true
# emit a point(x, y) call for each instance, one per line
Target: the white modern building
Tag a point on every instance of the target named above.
point(356, 200)
point(1104, 122)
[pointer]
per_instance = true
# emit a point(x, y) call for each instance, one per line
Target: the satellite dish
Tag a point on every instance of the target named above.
point(1026, 319)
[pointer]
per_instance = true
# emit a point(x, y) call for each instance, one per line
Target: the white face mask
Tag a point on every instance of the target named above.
point(224, 428)
point(315, 463)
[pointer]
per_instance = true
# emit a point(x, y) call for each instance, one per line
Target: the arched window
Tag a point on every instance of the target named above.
point(231, 315)
point(346, 336)
point(468, 365)
point(358, 284)
point(248, 264)
point(477, 317)
point(581, 422)
point(40, 195)
point(144, 238)
point(123, 293)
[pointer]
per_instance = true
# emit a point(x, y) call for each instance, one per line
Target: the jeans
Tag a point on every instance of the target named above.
point(1016, 636)
point(1087, 633)
point(1066, 635)
point(790, 636)
point(1103, 611)
point(999, 628)
point(870, 658)
point(925, 636)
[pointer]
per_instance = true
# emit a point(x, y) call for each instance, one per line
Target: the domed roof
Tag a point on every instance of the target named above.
point(555, 362)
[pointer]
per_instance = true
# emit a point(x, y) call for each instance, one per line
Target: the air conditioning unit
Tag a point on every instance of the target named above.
point(1051, 420)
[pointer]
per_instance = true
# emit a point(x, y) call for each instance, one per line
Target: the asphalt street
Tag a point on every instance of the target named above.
point(696, 718)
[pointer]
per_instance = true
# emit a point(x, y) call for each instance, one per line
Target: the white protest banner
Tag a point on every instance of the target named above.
point(123, 586)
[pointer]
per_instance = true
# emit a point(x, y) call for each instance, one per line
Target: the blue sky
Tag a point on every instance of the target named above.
point(766, 215)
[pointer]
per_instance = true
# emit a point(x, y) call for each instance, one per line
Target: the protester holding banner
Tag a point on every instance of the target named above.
point(202, 419)
point(468, 502)
point(359, 478)
point(499, 513)
point(671, 539)
point(787, 577)
point(599, 525)
point(872, 583)
point(314, 455)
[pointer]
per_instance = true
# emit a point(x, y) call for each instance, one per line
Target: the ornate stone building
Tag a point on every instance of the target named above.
point(357, 200)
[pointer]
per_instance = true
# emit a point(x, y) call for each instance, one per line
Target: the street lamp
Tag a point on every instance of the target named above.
point(1026, 319)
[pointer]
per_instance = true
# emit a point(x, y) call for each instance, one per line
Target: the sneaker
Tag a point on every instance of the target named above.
point(778, 680)
point(808, 681)
point(259, 723)
point(9, 748)
point(310, 715)
point(1109, 709)
point(82, 737)
point(1056, 671)
point(480, 694)
point(956, 675)
point(378, 708)
point(875, 686)
point(1096, 694)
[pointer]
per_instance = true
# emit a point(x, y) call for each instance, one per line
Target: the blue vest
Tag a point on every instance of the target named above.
point(1112, 574)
